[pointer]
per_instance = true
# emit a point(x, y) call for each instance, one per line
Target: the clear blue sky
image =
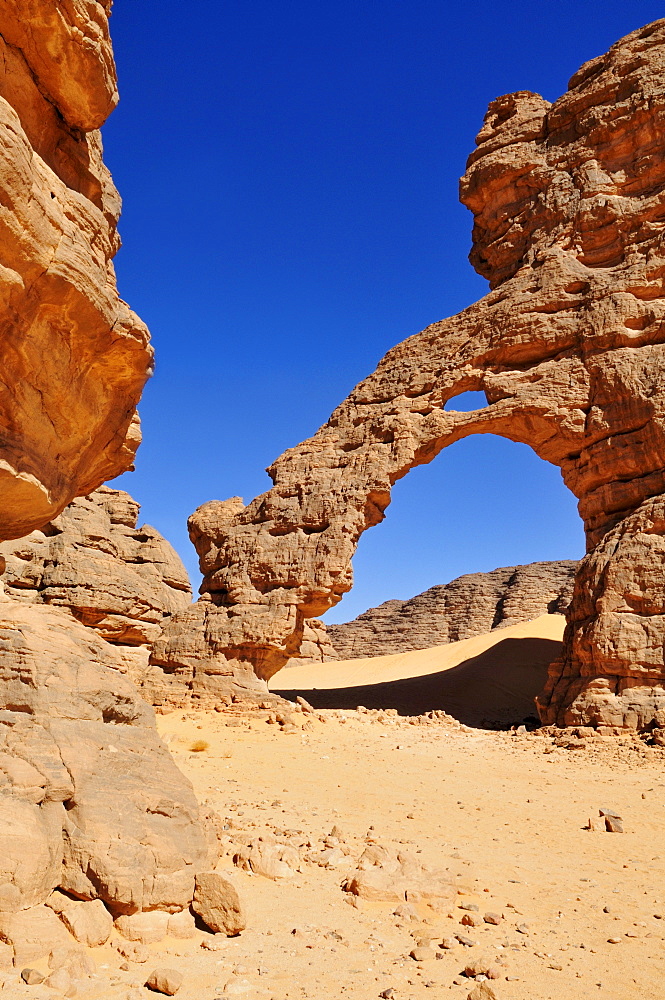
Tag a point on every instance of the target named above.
point(289, 175)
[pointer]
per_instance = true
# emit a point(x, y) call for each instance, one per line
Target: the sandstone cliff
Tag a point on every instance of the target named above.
point(473, 604)
point(568, 204)
point(73, 356)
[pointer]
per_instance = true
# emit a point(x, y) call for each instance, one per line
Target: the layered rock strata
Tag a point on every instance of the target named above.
point(93, 559)
point(473, 604)
point(569, 220)
point(73, 356)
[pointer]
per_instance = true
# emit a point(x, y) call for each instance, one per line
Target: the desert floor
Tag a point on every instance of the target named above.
point(501, 815)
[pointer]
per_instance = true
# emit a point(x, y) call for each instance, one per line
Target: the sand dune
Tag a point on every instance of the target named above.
point(486, 680)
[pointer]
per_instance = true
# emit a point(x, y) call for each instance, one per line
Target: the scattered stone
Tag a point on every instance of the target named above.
point(478, 966)
point(32, 977)
point(614, 940)
point(493, 918)
point(471, 920)
point(421, 953)
point(167, 981)
point(466, 941)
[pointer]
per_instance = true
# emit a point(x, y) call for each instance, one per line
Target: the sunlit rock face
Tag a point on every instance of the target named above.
point(73, 356)
point(569, 221)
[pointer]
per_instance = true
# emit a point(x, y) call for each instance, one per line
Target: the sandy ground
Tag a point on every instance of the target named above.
point(488, 680)
point(501, 815)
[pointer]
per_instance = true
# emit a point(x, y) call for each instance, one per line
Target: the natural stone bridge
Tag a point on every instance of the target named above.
point(569, 228)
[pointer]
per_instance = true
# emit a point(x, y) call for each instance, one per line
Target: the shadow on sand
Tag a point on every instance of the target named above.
point(495, 689)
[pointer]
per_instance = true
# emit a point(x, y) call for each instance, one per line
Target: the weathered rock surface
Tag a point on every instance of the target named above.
point(473, 604)
point(92, 801)
point(92, 559)
point(218, 904)
point(568, 204)
point(74, 358)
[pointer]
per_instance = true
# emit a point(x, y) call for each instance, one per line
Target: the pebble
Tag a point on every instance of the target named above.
point(522, 928)
point(32, 977)
point(466, 941)
point(492, 918)
point(614, 940)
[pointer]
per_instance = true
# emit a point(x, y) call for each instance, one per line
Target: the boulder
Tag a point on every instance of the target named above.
point(87, 921)
point(218, 904)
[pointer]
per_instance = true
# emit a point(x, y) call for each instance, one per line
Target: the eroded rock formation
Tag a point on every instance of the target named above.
point(470, 605)
point(73, 356)
point(92, 803)
point(118, 578)
point(569, 219)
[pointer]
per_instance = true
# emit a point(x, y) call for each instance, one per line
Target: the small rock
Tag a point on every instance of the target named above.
point(167, 981)
point(305, 705)
point(477, 966)
point(471, 920)
point(614, 940)
point(492, 918)
point(466, 941)
point(522, 928)
point(472, 907)
point(614, 824)
point(421, 953)
point(449, 942)
point(32, 977)
point(387, 994)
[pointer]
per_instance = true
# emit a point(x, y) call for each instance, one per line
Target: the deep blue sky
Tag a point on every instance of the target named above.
point(289, 175)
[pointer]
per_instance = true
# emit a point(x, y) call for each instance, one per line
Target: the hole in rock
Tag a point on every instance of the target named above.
point(485, 502)
point(467, 401)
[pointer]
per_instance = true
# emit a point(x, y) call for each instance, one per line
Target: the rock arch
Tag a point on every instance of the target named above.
point(569, 227)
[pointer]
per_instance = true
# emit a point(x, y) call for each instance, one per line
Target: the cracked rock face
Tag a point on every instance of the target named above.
point(568, 203)
point(118, 578)
point(74, 358)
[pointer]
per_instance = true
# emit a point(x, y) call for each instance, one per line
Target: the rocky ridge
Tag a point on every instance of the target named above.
point(567, 200)
point(473, 604)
